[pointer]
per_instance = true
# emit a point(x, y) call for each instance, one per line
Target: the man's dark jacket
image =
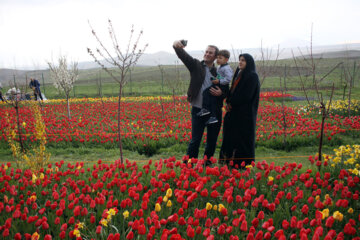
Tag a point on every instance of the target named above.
point(197, 74)
point(35, 84)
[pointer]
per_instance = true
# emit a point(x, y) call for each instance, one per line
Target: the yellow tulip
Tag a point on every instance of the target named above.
point(221, 207)
point(157, 207)
point(35, 236)
point(34, 178)
point(80, 225)
point(126, 214)
point(338, 216)
point(169, 192)
point(325, 213)
point(76, 232)
point(104, 222)
point(33, 198)
point(111, 212)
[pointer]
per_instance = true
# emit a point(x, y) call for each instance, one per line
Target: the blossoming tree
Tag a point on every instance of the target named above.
point(64, 77)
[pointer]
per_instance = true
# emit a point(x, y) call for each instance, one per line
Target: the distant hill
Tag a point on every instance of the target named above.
point(7, 75)
point(166, 58)
point(338, 54)
point(163, 58)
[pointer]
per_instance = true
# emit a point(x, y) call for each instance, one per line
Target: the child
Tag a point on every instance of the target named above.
point(224, 76)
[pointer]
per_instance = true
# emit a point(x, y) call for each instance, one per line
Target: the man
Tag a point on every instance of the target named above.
point(35, 86)
point(201, 73)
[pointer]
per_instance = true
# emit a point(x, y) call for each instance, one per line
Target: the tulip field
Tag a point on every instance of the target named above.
point(169, 199)
point(174, 198)
point(151, 123)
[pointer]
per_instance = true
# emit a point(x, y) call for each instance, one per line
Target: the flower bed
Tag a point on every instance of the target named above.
point(169, 199)
point(148, 124)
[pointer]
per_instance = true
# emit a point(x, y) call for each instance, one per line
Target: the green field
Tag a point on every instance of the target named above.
point(148, 81)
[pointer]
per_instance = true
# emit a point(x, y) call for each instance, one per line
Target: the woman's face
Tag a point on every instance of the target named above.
point(242, 63)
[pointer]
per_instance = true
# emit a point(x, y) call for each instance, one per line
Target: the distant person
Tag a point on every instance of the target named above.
point(201, 73)
point(224, 76)
point(1, 96)
point(35, 86)
point(241, 111)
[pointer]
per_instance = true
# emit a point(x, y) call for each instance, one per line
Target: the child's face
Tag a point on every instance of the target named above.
point(221, 60)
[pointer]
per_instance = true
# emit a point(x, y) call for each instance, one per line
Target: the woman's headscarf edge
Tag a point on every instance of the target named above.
point(250, 62)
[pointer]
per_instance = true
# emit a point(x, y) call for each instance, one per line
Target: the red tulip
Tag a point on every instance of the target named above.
point(243, 226)
point(190, 232)
point(98, 230)
point(130, 235)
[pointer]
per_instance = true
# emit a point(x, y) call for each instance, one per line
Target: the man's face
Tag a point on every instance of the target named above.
point(209, 56)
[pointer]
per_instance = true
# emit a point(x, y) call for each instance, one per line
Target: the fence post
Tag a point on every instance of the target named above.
point(100, 84)
point(26, 83)
point(131, 93)
point(341, 75)
point(285, 80)
point(42, 76)
point(15, 82)
point(354, 75)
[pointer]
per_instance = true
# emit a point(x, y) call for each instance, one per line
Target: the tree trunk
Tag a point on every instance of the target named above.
point(19, 130)
point(68, 106)
point(173, 95)
point(119, 134)
point(162, 108)
point(323, 113)
point(349, 101)
point(282, 107)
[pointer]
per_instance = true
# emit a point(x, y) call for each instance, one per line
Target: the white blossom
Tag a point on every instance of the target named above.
point(64, 76)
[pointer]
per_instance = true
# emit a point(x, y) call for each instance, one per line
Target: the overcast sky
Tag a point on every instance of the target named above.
point(33, 31)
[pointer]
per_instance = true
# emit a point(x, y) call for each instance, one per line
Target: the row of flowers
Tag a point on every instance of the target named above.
point(263, 95)
point(337, 107)
point(172, 199)
point(159, 119)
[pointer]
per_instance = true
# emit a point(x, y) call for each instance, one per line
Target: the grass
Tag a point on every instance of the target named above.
point(148, 81)
point(94, 153)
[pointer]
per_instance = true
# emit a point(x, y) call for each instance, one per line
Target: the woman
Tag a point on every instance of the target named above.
point(241, 111)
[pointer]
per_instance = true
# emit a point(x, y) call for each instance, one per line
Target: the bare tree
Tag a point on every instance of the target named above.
point(236, 54)
point(283, 110)
point(350, 70)
point(14, 98)
point(266, 67)
point(122, 60)
point(64, 77)
point(314, 81)
point(174, 84)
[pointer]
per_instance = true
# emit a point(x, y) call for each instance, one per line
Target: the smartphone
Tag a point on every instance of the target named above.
point(184, 42)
